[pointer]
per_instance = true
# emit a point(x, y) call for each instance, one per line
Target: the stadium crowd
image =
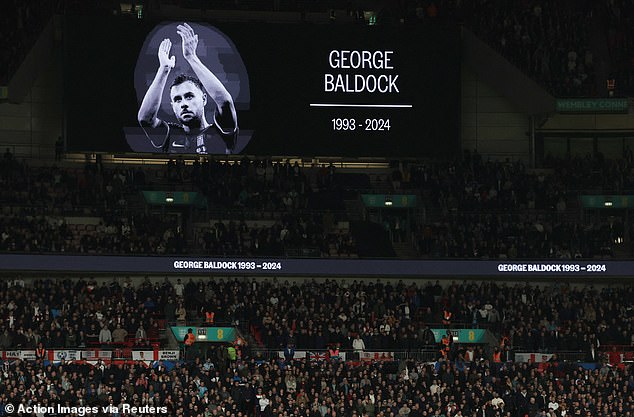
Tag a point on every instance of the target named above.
point(533, 318)
point(69, 313)
point(620, 17)
point(287, 236)
point(312, 315)
point(53, 190)
point(499, 209)
point(517, 236)
point(320, 389)
point(38, 201)
point(549, 40)
point(256, 207)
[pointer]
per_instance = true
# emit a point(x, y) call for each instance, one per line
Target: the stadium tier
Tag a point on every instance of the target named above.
point(313, 208)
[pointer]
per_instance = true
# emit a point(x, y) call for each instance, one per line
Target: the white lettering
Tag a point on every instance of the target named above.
point(513, 267)
point(146, 409)
point(360, 59)
point(357, 83)
point(329, 84)
point(334, 63)
point(393, 84)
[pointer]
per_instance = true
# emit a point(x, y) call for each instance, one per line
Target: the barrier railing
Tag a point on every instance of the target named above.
point(528, 355)
point(426, 354)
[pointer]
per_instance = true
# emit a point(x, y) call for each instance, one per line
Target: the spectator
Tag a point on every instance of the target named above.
point(105, 336)
point(119, 334)
point(358, 345)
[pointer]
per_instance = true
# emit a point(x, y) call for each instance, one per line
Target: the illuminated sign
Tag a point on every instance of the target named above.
point(592, 105)
point(206, 334)
point(462, 335)
point(312, 267)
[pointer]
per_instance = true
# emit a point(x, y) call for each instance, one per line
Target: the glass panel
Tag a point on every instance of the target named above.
point(628, 143)
point(611, 148)
point(581, 147)
point(555, 147)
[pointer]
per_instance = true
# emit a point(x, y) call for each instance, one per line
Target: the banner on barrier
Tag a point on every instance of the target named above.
point(95, 354)
point(299, 354)
point(376, 356)
point(143, 355)
point(533, 357)
point(18, 354)
point(28, 355)
point(11, 354)
point(313, 356)
point(64, 355)
point(169, 355)
point(317, 356)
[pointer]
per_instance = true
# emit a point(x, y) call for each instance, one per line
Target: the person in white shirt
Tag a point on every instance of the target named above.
point(179, 288)
point(496, 401)
point(264, 402)
point(469, 355)
point(358, 345)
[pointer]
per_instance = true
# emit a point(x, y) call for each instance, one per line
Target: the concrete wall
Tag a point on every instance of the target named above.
point(590, 122)
point(31, 118)
point(31, 127)
point(490, 122)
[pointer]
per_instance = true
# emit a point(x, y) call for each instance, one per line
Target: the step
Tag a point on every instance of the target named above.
point(405, 250)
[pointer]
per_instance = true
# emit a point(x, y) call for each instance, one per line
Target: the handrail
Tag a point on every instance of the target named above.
point(131, 342)
point(425, 354)
point(223, 214)
point(499, 211)
point(622, 348)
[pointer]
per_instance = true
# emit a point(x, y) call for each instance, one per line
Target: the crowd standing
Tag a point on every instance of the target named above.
point(320, 389)
point(316, 315)
point(311, 315)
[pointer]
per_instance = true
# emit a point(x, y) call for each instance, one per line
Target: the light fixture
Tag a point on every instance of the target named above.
point(169, 198)
point(607, 203)
point(388, 200)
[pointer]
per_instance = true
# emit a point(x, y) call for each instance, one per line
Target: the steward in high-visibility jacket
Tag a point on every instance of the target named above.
point(189, 338)
point(497, 356)
point(445, 347)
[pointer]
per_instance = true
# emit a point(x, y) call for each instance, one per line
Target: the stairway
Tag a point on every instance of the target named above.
point(172, 343)
point(354, 209)
point(136, 202)
point(372, 240)
point(623, 251)
point(244, 331)
point(405, 250)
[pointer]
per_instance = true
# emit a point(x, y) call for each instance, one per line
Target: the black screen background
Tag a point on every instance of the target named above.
point(286, 65)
